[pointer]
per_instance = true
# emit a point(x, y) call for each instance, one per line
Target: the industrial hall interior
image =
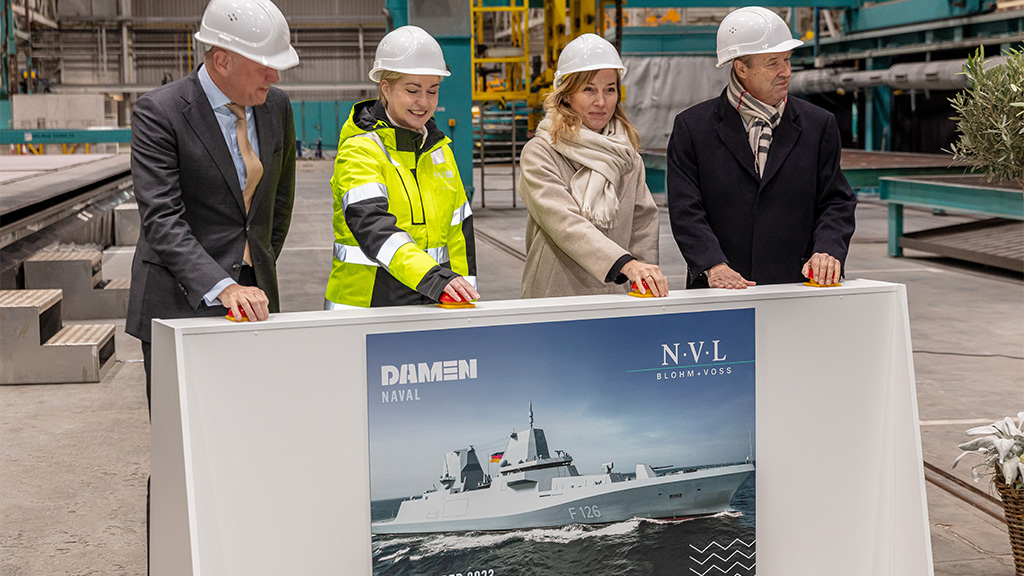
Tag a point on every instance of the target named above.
point(512, 287)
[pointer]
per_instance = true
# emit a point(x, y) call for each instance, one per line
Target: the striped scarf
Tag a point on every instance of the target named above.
point(759, 118)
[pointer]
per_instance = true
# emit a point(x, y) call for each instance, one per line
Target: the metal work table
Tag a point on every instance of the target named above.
point(991, 242)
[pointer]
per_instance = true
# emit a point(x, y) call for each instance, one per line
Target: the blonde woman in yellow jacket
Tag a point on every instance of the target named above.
point(403, 227)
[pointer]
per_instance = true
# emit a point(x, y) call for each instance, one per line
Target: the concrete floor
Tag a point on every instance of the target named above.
point(74, 458)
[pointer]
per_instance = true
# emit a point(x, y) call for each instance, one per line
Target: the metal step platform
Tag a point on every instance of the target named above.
point(60, 200)
point(38, 349)
point(79, 274)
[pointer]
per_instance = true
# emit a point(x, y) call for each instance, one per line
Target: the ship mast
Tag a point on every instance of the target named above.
point(531, 415)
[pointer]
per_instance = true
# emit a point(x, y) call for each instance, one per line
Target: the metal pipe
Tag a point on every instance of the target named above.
point(855, 80)
point(126, 71)
point(943, 75)
point(940, 75)
point(326, 21)
point(814, 81)
point(826, 59)
point(362, 49)
point(618, 25)
point(103, 51)
point(817, 31)
point(34, 15)
point(28, 51)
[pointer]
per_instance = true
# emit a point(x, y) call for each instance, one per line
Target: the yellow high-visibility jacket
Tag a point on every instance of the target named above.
point(403, 227)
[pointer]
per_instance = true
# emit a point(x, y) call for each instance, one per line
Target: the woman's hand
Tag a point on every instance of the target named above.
point(461, 290)
point(639, 272)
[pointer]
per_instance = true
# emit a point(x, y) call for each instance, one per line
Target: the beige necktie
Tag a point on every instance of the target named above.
point(253, 166)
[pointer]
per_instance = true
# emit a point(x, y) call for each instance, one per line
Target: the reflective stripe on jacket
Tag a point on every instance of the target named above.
point(402, 223)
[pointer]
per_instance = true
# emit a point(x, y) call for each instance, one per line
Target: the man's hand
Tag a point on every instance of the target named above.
point(639, 272)
point(827, 269)
point(721, 276)
point(461, 290)
point(250, 299)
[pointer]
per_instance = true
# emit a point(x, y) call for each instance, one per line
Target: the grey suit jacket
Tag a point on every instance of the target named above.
point(194, 224)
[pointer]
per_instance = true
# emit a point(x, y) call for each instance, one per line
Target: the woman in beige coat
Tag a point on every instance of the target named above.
point(593, 225)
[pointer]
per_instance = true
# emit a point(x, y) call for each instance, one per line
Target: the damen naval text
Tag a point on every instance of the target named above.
point(421, 373)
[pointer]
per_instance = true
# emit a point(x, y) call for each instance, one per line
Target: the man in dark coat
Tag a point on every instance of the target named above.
point(213, 164)
point(778, 216)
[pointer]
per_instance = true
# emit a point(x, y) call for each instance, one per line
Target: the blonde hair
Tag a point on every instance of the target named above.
point(392, 78)
point(566, 122)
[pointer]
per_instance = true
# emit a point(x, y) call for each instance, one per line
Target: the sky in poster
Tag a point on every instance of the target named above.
point(604, 390)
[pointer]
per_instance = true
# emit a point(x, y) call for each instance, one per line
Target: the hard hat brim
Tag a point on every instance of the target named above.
point(560, 76)
point(281, 61)
point(375, 73)
point(785, 46)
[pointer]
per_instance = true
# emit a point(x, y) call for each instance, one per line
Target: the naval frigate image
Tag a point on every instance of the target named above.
point(535, 489)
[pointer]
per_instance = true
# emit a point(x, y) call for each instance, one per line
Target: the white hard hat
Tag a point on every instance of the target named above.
point(409, 50)
point(753, 30)
point(587, 52)
point(255, 29)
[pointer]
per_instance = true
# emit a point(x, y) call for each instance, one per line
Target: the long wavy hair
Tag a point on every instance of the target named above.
point(566, 122)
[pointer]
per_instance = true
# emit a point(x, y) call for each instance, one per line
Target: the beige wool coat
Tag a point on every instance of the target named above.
point(566, 255)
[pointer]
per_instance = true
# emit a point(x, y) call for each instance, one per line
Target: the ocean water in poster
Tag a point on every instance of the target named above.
point(605, 446)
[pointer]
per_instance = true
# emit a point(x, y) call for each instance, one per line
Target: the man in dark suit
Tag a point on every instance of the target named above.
point(213, 164)
point(755, 191)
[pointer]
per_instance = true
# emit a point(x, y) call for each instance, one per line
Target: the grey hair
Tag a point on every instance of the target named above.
point(746, 59)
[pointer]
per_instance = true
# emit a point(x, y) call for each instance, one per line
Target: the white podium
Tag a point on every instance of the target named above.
point(260, 458)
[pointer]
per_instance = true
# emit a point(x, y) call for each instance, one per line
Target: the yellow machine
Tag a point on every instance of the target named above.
point(503, 72)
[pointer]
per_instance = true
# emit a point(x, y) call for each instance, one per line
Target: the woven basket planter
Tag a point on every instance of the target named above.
point(1013, 507)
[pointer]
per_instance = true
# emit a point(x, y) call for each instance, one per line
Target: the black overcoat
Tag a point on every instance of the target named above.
point(764, 228)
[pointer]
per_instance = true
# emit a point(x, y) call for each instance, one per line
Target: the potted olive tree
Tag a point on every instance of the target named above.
point(990, 117)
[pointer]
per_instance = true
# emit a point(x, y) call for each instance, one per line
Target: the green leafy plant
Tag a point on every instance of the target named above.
point(990, 117)
point(1001, 450)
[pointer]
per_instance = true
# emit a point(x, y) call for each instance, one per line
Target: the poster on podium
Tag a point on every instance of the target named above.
point(601, 446)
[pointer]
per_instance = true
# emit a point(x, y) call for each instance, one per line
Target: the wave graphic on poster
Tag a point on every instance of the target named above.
point(736, 558)
point(651, 546)
point(429, 544)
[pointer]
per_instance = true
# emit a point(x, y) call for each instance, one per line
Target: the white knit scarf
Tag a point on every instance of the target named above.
point(759, 118)
point(605, 157)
